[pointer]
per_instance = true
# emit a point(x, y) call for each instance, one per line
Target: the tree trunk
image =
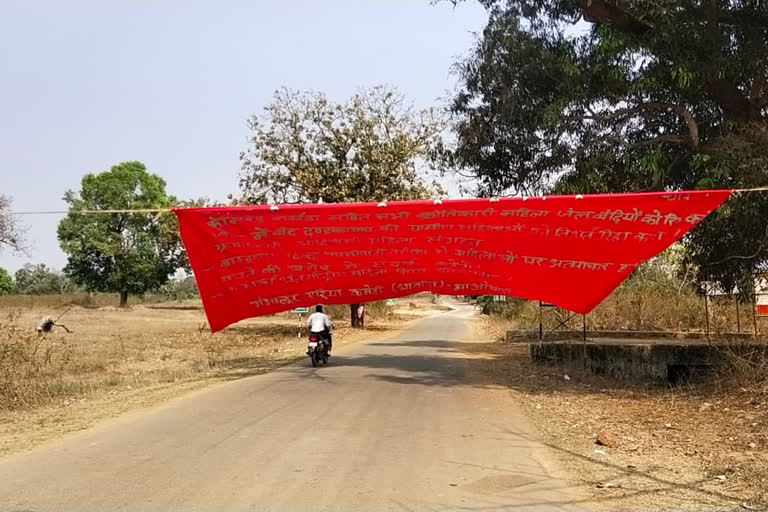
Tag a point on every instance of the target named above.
point(123, 299)
point(736, 106)
point(353, 316)
point(603, 13)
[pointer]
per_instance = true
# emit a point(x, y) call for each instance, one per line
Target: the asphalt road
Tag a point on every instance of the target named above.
point(397, 424)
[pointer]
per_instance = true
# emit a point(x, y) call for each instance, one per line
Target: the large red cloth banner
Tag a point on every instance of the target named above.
point(571, 251)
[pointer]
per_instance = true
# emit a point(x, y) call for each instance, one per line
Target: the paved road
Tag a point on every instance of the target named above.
point(389, 425)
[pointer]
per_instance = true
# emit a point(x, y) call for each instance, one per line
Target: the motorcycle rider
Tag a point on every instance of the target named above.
point(320, 325)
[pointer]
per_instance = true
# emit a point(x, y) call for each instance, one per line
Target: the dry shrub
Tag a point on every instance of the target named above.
point(30, 366)
point(638, 306)
point(643, 307)
point(742, 366)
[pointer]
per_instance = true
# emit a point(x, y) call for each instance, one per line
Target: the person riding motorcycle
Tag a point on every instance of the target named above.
point(320, 325)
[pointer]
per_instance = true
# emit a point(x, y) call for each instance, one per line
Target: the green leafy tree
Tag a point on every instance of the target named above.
point(6, 282)
point(127, 253)
point(181, 289)
point(637, 96)
point(39, 279)
point(374, 147)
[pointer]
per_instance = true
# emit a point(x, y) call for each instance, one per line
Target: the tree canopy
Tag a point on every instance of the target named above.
point(595, 96)
point(374, 147)
point(39, 279)
point(6, 282)
point(121, 252)
point(306, 148)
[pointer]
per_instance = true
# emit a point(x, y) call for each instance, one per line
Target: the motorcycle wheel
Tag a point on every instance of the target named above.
point(313, 358)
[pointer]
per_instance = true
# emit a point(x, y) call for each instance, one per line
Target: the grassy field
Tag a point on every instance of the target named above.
point(117, 359)
point(82, 299)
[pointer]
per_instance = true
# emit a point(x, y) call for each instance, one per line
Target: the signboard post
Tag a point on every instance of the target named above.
point(300, 312)
point(761, 296)
point(543, 305)
point(761, 299)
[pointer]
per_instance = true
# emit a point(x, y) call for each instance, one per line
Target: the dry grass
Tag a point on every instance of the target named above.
point(743, 367)
point(29, 366)
point(672, 444)
point(111, 348)
point(115, 357)
point(645, 308)
point(82, 299)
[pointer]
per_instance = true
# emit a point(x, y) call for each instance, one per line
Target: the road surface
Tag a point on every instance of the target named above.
point(397, 424)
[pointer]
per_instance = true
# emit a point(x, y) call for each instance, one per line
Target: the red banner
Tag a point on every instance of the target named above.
point(571, 251)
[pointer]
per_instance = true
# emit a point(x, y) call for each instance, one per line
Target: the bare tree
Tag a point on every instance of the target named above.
point(11, 230)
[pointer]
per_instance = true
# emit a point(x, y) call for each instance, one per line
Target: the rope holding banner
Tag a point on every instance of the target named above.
point(92, 212)
point(274, 207)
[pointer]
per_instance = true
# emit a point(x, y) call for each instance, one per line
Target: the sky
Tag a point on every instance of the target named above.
point(86, 85)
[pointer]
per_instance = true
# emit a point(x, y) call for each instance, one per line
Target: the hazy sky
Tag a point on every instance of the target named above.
point(84, 85)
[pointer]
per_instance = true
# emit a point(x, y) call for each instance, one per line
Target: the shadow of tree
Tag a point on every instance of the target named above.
point(485, 356)
point(453, 364)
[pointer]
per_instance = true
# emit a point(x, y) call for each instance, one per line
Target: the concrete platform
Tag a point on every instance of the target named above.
point(655, 360)
point(526, 335)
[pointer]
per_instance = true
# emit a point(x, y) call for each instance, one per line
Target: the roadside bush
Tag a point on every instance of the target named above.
point(29, 367)
point(180, 289)
point(41, 280)
point(743, 366)
point(510, 307)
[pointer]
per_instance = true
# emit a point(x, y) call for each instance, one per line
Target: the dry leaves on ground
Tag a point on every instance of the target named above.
point(636, 446)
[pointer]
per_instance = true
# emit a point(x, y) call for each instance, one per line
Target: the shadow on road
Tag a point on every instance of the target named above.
point(482, 365)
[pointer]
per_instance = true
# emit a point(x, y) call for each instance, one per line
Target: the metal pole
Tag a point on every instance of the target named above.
point(754, 312)
point(706, 312)
point(584, 337)
point(541, 324)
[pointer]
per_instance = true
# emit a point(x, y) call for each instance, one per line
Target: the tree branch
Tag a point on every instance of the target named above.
point(760, 247)
point(605, 13)
point(758, 93)
point(625, 113)
point(734, 103)
point(667, 138)
point(744, 18)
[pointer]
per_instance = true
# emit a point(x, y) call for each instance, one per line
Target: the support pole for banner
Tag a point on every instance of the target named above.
point(541, 324)
point(754, 312)
point(584, 337)
point(738, 317)
point(301, 317)
point(706, 312)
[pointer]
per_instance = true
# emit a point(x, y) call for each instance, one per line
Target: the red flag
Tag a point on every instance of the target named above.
point(571, 251)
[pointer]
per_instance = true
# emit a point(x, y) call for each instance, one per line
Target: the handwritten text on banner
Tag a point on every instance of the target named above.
point(571, 251)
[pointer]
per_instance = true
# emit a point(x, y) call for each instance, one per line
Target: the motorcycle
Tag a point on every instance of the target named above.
point(317, 349)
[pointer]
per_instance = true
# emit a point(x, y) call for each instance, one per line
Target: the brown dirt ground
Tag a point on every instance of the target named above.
point(116, 361)
point(688, 449)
